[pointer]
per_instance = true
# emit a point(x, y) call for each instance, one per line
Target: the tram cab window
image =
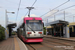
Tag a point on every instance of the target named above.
point(36, 26)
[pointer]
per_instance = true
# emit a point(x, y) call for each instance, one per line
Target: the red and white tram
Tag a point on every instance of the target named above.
point(31, 29)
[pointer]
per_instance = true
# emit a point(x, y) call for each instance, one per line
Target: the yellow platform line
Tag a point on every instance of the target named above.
point(16, 44)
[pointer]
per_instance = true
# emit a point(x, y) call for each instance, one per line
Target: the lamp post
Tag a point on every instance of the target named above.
point(73, 18)
point(6, 21)
point(29, 10)
point(7, 17)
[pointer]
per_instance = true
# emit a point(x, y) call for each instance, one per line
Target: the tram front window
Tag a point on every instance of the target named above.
point(35, 26)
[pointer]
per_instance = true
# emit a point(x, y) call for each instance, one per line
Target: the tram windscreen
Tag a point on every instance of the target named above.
point(35, 25)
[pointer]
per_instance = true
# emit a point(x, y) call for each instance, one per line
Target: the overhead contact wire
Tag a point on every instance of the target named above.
point(55, 8)
point(18, 10)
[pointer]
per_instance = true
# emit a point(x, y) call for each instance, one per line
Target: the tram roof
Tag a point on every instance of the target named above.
point(31, 18)
point(57, 22)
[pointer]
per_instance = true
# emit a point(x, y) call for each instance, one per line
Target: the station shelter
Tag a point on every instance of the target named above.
point(49, 30)
point(9, 28)
point(58, 28)
point(72, 29)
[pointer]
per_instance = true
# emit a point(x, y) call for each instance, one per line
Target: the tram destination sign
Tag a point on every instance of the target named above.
point(30, 21)
point(33, 21)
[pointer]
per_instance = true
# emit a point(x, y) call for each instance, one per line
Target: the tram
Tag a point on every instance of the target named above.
point(31, 29)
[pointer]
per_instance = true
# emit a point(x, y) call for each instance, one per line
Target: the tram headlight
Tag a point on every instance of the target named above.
point(29, 33)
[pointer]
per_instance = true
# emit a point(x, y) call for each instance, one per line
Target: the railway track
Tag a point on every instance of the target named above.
point(37, 46)
point(57, 42)
point(30, 47)
point(51, 44)
point(63, 42)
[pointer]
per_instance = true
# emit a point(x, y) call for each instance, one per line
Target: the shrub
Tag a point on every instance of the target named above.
point(13, 33)
point(44, 30)
point(2, 33)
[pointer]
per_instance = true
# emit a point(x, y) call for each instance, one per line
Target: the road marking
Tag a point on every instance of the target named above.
point(16, 44)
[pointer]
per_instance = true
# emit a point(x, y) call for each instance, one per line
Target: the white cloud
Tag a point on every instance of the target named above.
point(10, 22)
point(51, 12)
point(62, 13)
point(2, 22)
point(32, 15)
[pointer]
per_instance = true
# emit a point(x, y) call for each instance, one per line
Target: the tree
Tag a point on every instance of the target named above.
point(2, 33)
point(44, 30)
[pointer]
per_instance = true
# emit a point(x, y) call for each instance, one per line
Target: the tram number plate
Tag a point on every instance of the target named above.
point(34, 34)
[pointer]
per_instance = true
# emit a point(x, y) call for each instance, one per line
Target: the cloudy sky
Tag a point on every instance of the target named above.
point(40, 8)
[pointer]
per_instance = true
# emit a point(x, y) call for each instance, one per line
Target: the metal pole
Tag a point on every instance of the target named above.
point(46, 30)
point(29, 13)
point(53, 31)
point(60, 31)
point(29, 8)
point(64, 15)
point(6, 36)
point(54, 17)
point(6, 18)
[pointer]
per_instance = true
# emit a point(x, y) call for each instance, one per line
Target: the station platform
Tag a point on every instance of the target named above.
point(61, 38)
point(12, 43)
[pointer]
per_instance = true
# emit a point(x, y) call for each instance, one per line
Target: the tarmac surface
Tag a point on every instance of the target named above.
point(61, 38)
point(49, 42)
point(53, 43)
point(12, 43)
point(7, 44)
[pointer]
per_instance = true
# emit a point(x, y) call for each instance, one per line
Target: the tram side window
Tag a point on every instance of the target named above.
point(21, 31)
point(24, 31)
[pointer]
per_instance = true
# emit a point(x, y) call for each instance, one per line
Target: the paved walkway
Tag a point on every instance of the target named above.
point(61, 38)
point(7, 44)
point(13, 43)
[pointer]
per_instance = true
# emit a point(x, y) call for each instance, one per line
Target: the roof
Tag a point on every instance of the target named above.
point(57, 22)
point(49, 27)
point(72, 24)
point(12, 25)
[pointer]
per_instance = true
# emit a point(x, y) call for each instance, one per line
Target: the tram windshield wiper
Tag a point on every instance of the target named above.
point(31, 29)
